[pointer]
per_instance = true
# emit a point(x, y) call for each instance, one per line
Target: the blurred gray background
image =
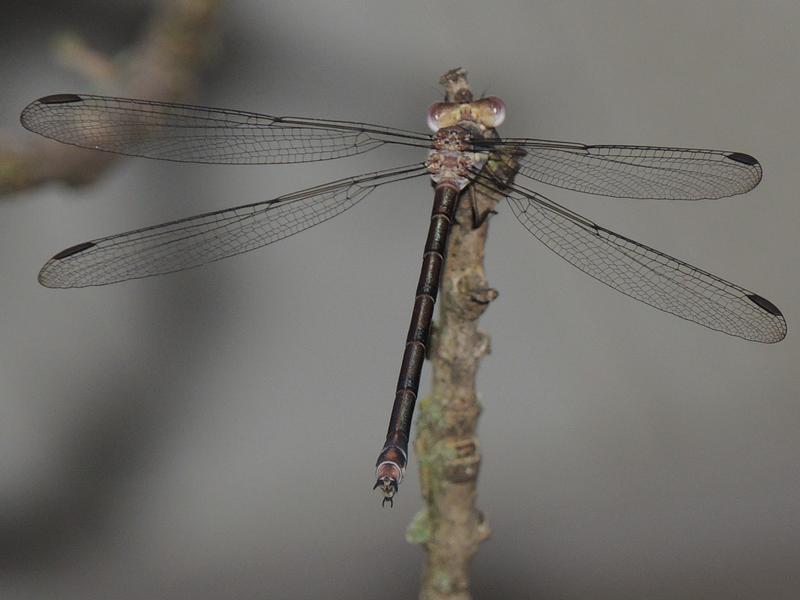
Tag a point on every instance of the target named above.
point(212, 434)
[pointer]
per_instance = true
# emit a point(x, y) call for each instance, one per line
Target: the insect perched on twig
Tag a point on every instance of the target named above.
point(464, 150)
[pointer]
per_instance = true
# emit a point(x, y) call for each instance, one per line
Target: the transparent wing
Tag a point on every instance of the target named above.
point(209, 237)
point(635, 171)
point(646, 274)
point(184, 133)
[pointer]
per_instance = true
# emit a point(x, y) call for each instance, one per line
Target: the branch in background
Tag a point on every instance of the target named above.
point(450, 528)
point(165, 64)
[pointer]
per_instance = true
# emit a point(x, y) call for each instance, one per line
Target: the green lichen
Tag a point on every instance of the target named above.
point(431, 414)
point(441, 581)
point(419, 530)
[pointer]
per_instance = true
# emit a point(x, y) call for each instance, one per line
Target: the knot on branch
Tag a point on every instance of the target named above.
point(483, 295)
point(472, 295)
point(465, 462)
point(484, 531)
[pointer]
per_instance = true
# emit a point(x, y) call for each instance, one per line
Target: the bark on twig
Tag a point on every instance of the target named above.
point(451, 527)
point(164, 64)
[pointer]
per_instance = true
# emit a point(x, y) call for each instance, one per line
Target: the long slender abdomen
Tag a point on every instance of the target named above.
point(393, 458)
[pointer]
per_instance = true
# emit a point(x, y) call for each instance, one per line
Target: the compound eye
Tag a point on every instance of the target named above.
point(435, 113)
point(496, 108)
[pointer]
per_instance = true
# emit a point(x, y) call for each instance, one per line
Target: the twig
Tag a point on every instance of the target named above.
point(450, 527)
point(164, 64)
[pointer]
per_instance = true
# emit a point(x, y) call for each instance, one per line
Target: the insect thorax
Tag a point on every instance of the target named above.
point(452, 158)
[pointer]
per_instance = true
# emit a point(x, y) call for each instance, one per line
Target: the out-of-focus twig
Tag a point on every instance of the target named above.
point(164, 64)
point(75, 53)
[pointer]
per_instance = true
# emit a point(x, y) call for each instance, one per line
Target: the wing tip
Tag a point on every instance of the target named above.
point(28, 116)
point(765, 304)
point(49, 275)
point(44, 275)
point(741, 157)
point(59, 99)
point(780, 332)
point(67, 252)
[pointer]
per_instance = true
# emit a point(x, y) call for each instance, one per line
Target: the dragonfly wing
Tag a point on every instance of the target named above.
point(209, 237)
point(646, 274)
point(637, 171)
point(185, 133)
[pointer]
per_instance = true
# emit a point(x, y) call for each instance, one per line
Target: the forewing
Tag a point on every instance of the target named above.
point(637, 171)
point(209, 237)
point(185, 133)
